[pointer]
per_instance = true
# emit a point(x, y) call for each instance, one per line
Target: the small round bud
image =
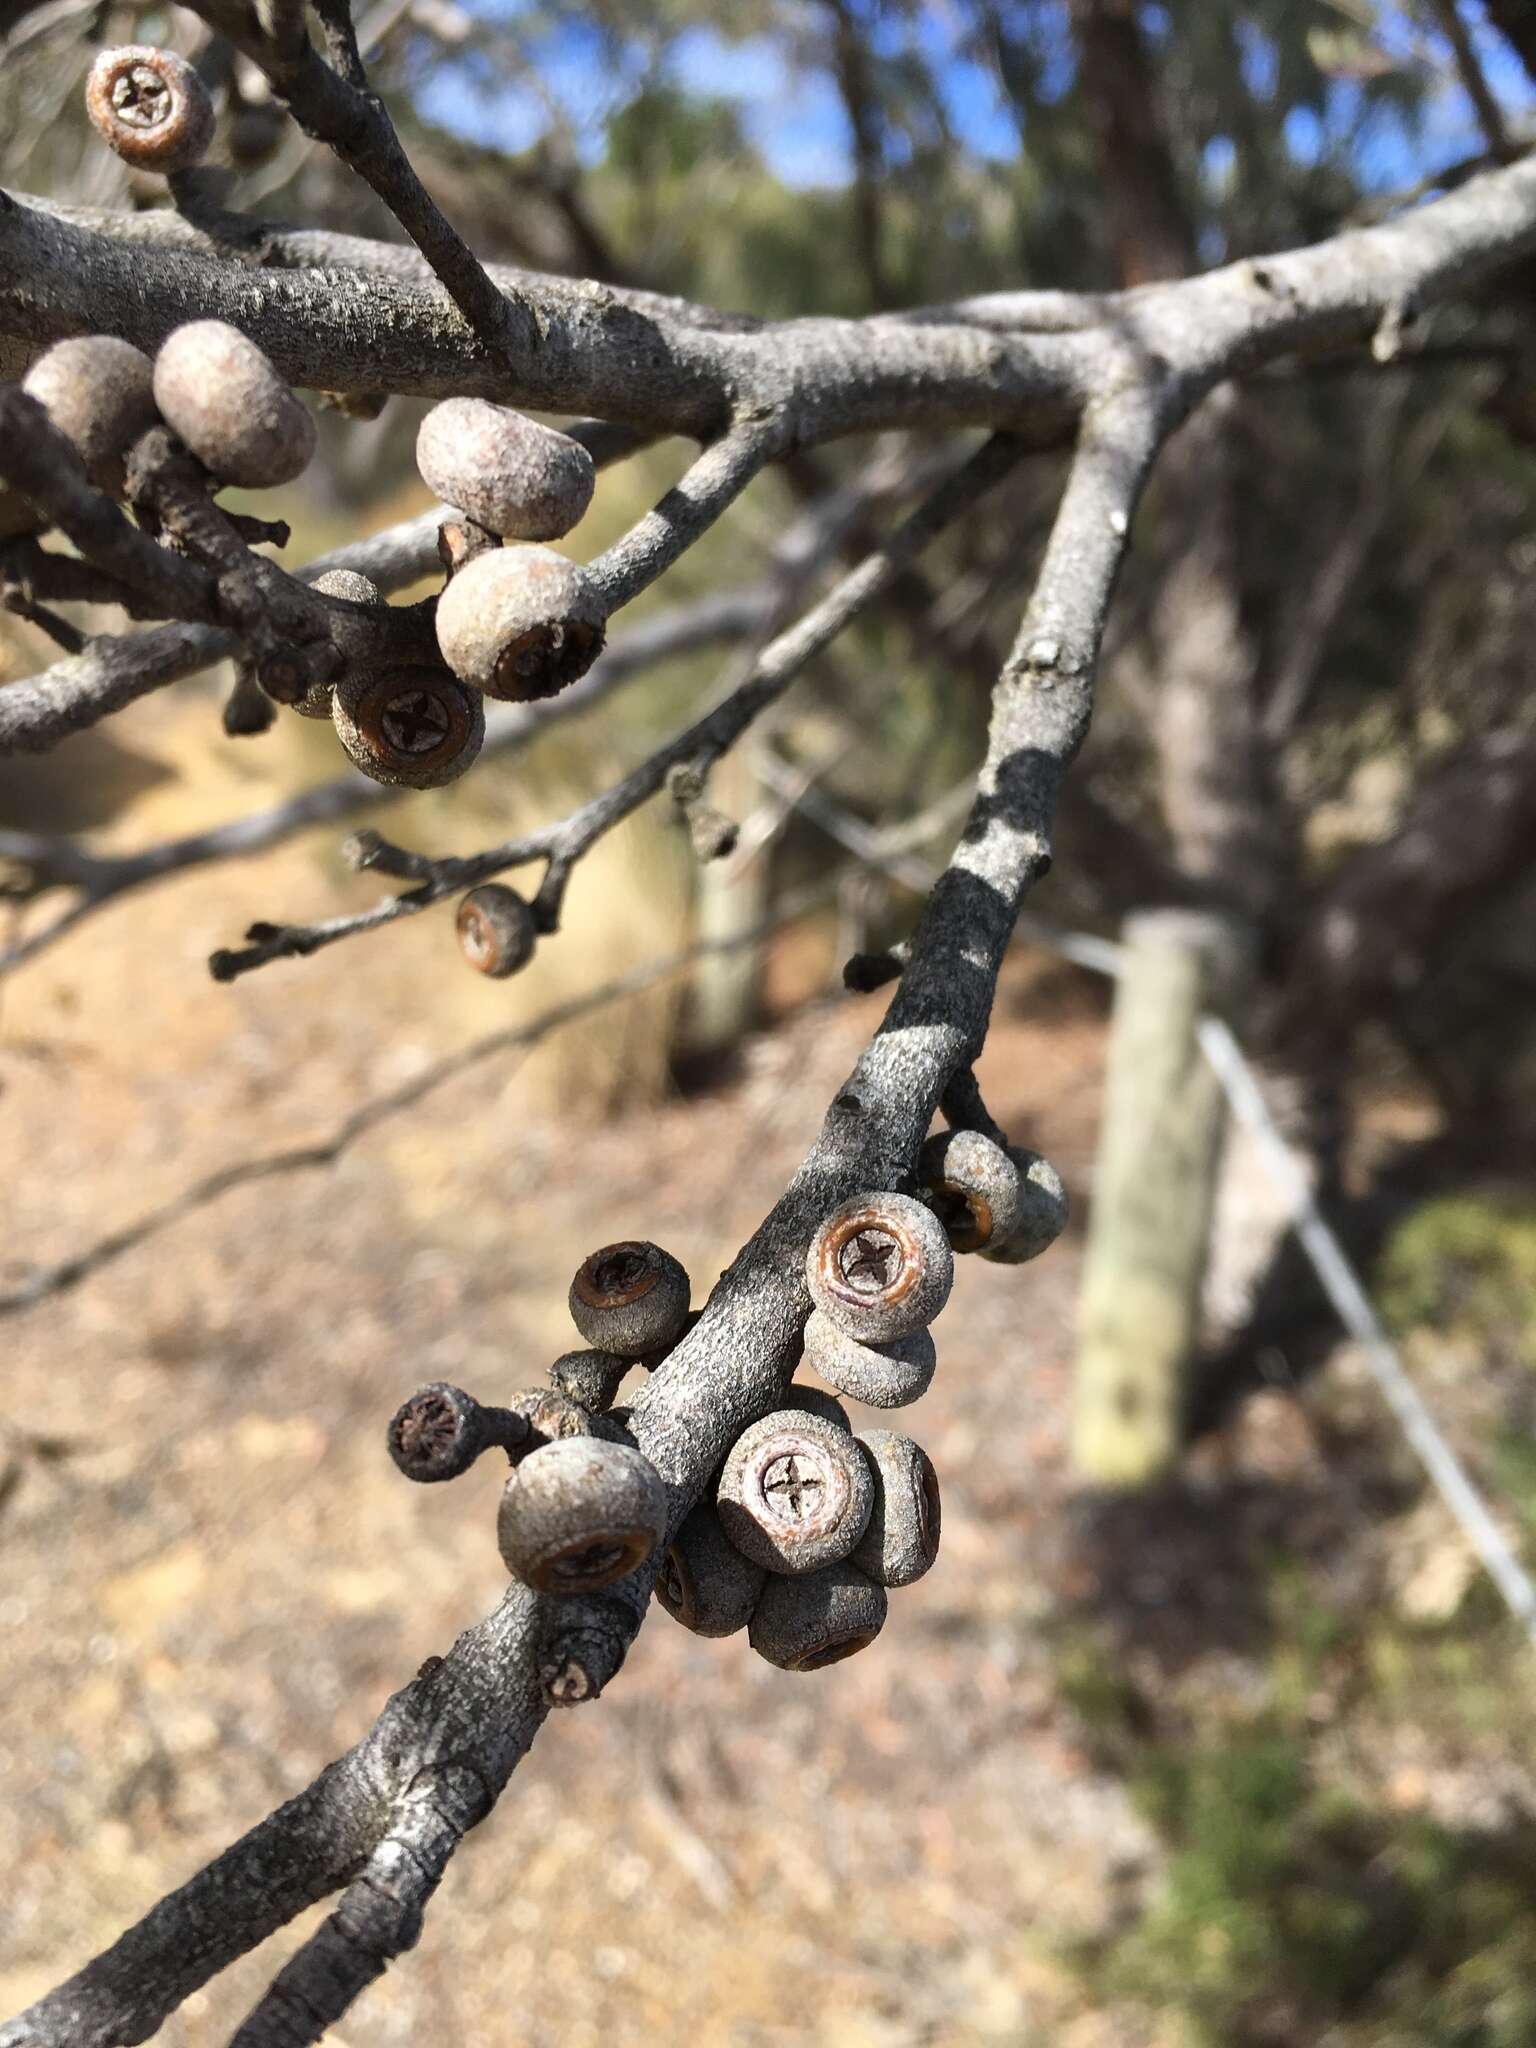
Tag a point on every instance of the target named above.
point(816, 1401)
point(807, 1623)
point(902, 1539)
point(705, 1582)
point(880, 1375)
point(496, 930)
point(520, 623)
point(590, 1378)
point(630, 1298)
point(795, 1492)
point(1043, 1211)
point(579, 1513)
point(974, 1188)
point(346, 584)
point(149, 106)
point(100, 392)
point(414, 727)
point(506, 472)
point(217, 391)
point(880, 1267)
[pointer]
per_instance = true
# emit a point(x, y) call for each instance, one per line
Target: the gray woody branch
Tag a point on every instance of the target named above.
point(382, 1821)
point(444, 1747)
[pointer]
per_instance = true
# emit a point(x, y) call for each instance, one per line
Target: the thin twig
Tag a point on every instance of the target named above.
point(560, 846)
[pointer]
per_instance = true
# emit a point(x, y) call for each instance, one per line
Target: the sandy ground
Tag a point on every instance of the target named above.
point(213, 1576)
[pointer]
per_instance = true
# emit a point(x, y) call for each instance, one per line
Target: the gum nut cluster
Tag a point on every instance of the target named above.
point(520, 623)
point(218, 392)
point(630, 1299)
point(504, 471)
point(351, 588)
point(149, 106)
point(99, 393)
point(1008, 1204)
point(413, 728)
point(580, 1512)
point(496, 930)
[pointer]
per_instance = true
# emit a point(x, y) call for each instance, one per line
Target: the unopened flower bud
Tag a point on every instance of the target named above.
point(506, 472)
point(220, 394)
point(98, 391)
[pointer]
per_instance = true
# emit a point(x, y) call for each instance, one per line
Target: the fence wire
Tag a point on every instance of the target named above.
point(1325, 1254)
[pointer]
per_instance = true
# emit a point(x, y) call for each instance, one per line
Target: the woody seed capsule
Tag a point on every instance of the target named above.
point(630, 1298)
point(590, 1378)
point(794, 1493)
point(149, 106)
point(99, 391)
point(705, 1582)
point(218, 392)
point(808, 1623)
point(496, 930)
point(1043, 1211)
point(975, 1188)
point(506, 472)
point(520, 623)
point(902, 1539)
point(880, 1375)
point(880, 1267)
point(818, 1402)
point(579, 1513)
point(354, 589)
point(416, 728)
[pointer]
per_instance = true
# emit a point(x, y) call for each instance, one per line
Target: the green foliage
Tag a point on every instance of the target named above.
point(1300, 1902)
point(1465, 1263)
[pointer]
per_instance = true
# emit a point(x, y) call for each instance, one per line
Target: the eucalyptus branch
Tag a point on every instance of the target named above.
point(333, 103)
point(478, 1710)
point(560, 846)
point(42, 861)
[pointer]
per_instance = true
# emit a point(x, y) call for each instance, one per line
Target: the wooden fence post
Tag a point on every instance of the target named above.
point(1154, 1189)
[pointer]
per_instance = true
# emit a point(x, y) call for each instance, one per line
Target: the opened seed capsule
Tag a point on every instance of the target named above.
point(496, 930)
point(880, 1375)
point(520, 623)
point(150, 107)
point(508, 473)
point(902, 1539)
point(579, 1513)
point(217, 391)
point(880, 1267)
point(795, 1492)
point(630, 1298)
point(975, 1189)
point(1043, 1211)
point(808, 1623)
point(705, 1582)
point(100, 392)
point(414, 727)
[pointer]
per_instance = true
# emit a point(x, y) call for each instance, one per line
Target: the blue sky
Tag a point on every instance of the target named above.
point(796, 121)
